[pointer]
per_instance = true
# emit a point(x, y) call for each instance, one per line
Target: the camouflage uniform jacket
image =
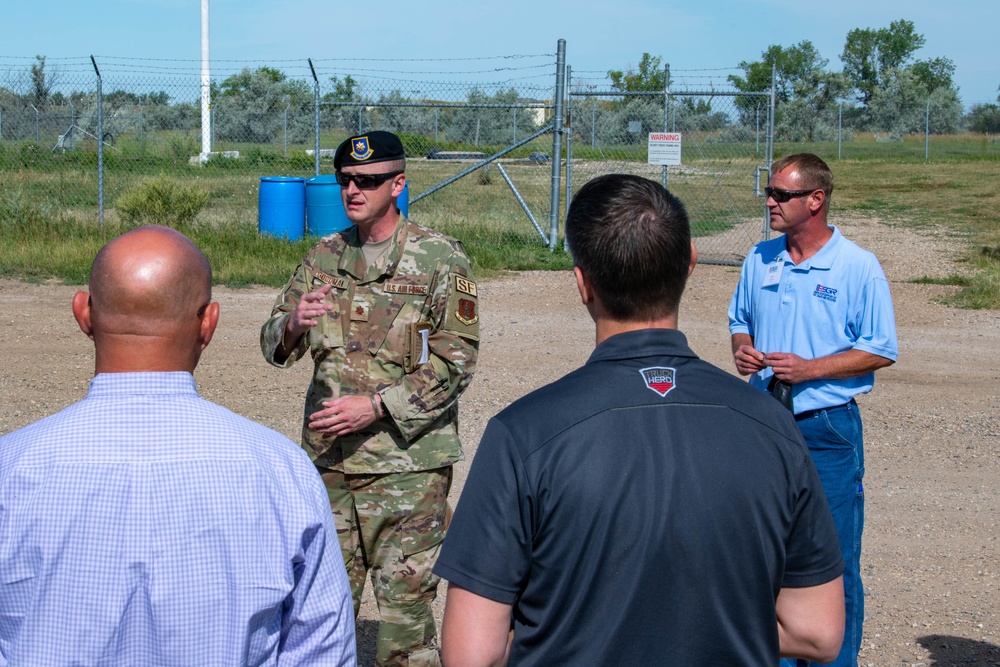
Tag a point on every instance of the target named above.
point(373, 340)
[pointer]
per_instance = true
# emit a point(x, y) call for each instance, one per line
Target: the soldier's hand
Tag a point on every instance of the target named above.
point(749, 360)
point(308, 310)
point(343, 415)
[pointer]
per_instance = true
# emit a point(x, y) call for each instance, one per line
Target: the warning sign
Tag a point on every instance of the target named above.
point(665, 148)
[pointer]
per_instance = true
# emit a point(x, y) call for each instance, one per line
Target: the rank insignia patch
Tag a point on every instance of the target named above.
point(360, 150)
point(660, 380)
point(466, 313)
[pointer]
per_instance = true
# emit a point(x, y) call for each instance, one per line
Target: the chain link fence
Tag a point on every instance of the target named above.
point(721, 152)
point(490, 140)
point(484, 144)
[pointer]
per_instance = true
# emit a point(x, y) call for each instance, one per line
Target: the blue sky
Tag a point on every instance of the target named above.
point(702, 40)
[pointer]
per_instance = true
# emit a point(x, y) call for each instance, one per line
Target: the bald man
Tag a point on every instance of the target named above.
point(145, 525)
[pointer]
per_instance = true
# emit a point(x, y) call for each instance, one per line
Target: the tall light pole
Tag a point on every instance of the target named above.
point(206, 88)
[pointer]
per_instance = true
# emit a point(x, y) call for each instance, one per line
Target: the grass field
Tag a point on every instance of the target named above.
point(48, 201)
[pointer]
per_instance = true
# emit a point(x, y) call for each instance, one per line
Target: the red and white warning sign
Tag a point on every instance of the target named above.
point(665, 148)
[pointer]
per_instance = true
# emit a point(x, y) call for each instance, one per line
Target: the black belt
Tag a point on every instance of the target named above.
point(812, 413)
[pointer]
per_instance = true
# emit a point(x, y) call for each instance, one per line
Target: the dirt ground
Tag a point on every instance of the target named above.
point(931, 553)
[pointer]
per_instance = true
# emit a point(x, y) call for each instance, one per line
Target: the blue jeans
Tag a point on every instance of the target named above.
point(835, 440)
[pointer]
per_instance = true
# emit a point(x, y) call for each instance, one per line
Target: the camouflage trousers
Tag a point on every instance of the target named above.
point(392, 525)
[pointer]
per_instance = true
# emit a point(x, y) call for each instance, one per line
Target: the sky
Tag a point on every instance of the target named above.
point(702, 40)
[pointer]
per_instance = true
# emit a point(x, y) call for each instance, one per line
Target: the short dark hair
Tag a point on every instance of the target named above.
point(632, 239)
point(814, 173)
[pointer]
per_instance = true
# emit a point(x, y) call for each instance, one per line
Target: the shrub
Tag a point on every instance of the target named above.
point(163, 201)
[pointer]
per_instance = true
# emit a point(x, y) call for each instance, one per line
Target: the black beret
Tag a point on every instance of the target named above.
point(375, 146)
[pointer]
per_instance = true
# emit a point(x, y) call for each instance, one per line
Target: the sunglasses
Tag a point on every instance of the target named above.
point(781, 196)
point(365, 181)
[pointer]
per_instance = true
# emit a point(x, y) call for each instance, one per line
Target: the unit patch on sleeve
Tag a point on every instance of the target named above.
point(659, 379)
point(466, 286)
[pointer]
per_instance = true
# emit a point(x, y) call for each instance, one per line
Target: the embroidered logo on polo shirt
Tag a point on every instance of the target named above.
point(659, 379)
point(827, 293)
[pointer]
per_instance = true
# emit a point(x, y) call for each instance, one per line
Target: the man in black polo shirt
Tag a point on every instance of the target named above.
point(647, 508)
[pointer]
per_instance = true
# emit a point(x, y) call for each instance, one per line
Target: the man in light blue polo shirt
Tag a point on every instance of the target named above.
point(813, 310)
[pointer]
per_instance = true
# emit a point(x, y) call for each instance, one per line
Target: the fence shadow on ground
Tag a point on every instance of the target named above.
point(946, 650)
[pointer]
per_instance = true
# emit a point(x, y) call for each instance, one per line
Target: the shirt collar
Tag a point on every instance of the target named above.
point(643, 343)
point(822, 259)
point(352, 260)
point(119, 384)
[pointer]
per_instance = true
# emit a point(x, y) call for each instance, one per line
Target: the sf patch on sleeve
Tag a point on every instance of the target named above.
point(462, 317)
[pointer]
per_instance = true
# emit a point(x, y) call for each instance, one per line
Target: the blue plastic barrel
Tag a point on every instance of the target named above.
point(281, 207)
point(403, 200)
point(324, 207)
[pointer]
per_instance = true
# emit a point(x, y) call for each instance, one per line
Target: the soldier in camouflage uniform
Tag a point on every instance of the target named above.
point(389, 312)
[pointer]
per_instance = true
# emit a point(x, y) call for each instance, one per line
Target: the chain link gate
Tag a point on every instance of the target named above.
point(479, 168)
point(726, 141)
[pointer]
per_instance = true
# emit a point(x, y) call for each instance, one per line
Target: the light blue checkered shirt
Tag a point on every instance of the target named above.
point(145, 525)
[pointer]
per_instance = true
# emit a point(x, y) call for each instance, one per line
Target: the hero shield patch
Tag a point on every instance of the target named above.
point(466, 312)
point(360, 150)
point(659, 379)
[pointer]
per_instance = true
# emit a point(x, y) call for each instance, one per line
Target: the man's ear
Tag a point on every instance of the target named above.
point(584, 286)
point(81, 311)
point(209, 321)
point(694, 259)
point(816, 201)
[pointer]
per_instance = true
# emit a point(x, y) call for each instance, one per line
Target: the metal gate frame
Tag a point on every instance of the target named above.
point(694, 204)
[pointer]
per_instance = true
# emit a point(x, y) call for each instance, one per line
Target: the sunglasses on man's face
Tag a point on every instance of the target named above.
point(781, 196)
point(365, 181)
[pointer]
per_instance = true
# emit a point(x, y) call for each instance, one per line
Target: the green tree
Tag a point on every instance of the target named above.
point(871, 55)
point(805, 93)
point(984, 119)
point(41, 83)
point(901, 106)
point(648, 76)
point(251, 106)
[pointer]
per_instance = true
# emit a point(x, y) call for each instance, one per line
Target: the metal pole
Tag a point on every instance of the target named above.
point(666, 114)
point(756, 133)
point(100, 146)
point(840, 127)
point(560, 95)
point(315, 115)
point(593, 123)
point(927, 132)
point(477, 131)
point(569, 137)
point(515, 125)
point(36, 121)
point(284, 128)
point(206, 88)
point(770, 146)
point(437, 112)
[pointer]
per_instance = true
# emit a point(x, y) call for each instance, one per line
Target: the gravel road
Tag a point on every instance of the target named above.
point(931, 554)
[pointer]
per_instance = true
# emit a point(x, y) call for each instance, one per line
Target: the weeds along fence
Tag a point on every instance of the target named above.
point(496, 146)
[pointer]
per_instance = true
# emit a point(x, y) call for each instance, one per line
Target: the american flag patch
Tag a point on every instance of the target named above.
point(827, 293)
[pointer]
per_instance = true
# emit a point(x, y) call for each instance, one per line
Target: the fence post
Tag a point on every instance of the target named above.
point(569, 137)
point(100, 147)
point(927, 132)
point(315, 113)
point(557, 128)
point(666, 112)
point(766, 232)
point(36, 121)
point(840, 127)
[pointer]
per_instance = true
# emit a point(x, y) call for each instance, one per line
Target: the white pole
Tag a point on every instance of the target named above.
point(206, 88)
